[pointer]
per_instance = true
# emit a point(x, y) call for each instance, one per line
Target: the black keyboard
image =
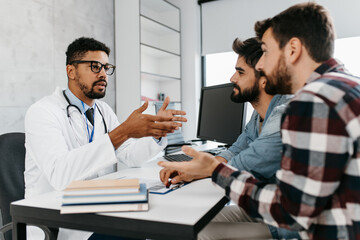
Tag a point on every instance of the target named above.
point(177, 157)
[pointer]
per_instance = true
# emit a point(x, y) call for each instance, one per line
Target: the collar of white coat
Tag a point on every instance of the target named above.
point(76, 101)
point(72, 98)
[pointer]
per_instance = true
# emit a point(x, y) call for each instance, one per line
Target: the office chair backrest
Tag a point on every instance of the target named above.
point(12, 166)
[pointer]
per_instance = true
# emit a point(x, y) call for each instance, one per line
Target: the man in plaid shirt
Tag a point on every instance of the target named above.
point(318, 185)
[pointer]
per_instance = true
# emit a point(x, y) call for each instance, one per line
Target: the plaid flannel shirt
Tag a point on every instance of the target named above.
point(318, 186)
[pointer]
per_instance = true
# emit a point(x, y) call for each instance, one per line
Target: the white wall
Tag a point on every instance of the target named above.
point(34, 38)
point(225, 20)
point(190, 63)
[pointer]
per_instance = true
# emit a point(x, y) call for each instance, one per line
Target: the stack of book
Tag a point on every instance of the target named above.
point(105, 195)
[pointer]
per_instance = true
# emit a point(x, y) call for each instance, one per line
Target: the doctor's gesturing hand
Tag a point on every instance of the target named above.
point(201, 164)
point(163, 112)
point(139, 125)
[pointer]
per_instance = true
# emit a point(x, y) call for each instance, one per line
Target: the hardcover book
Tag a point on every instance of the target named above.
point(102, 186)
point(106, 203)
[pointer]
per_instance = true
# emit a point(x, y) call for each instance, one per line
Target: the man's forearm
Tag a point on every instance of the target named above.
point(118, 136)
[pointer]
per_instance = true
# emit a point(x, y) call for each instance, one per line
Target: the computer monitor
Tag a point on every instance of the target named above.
point(220, 119)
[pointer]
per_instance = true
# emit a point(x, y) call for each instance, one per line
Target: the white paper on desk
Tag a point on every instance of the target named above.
point(154, 185)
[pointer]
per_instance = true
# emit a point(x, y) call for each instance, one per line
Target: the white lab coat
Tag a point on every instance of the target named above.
point(58, 149)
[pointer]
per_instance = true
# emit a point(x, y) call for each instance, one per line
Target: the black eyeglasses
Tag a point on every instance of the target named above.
point(97, 66)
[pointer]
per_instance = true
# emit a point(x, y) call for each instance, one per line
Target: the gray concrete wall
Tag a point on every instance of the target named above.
point(34, 35)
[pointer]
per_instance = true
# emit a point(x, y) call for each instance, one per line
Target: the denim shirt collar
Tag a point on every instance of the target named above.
point(76, 101)
point(273, 103)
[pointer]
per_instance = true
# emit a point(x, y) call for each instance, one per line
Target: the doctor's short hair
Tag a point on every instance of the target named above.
point(250, 50)
point(310, 22)
point(78, 48)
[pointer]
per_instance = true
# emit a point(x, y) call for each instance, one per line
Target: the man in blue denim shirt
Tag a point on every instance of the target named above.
point(257, 150)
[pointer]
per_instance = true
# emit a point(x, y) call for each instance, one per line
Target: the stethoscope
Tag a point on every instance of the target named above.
point(72, 105)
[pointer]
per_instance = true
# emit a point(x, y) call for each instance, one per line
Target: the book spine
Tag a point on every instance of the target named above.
point(105, 208)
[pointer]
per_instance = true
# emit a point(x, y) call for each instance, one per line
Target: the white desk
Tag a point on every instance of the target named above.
point(180, 214)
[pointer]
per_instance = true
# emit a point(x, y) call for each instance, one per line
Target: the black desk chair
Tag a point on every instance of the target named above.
point(12, 185)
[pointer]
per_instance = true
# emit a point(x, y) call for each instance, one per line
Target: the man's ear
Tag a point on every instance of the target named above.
point(294, 49)
point(262, 82)
point(70, 70)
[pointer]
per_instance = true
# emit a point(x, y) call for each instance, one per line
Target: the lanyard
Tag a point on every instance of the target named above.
point(87, 126)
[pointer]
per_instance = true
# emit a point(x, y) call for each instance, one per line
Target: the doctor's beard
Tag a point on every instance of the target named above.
point(92, 93)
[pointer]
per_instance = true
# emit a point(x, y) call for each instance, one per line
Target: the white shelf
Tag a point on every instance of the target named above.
point(151, 89)
point(149, 56)
point(158, 62)
point(162, 12)
point(159, 36)
point(156, 77)
point(151, 107)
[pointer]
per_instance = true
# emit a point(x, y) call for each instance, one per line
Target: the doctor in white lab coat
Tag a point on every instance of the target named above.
point(63, 145)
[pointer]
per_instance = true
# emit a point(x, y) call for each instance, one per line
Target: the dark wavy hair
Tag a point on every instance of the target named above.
point(250, 50)
point(310, 22)
point(78, 48)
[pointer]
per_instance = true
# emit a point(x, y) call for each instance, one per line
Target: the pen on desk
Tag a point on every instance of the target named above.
point(168, 184)
point(177, 185)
